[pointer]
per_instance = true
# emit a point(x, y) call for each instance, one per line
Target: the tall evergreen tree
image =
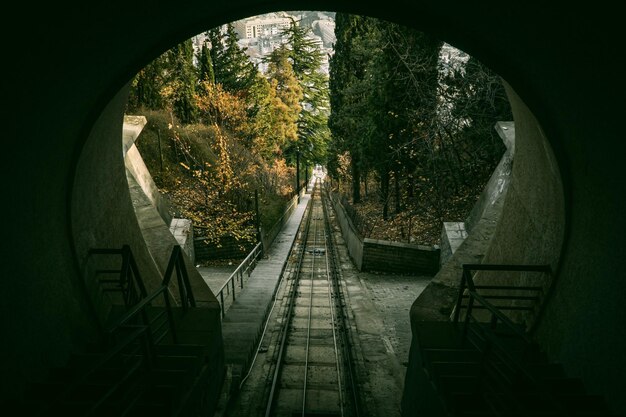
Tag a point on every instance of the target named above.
point(232, 67)
point(283, 80)
point(205, 64)
point(350, 82)
point(404, 100)
point(306, 60)
point(480, 100)
point(145, 90)
point(180, 82)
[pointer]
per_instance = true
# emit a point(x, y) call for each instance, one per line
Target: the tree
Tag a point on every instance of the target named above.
point(232, 68)
point(283, 79)
point(350, 120)
point(145, 90)
point(179, 89)
point(306, 60)
point(273, 121)
point(479, 100)
point(205, 64)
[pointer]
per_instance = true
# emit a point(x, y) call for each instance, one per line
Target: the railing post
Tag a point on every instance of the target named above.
point(468, 314)
point(222, 302)
point(459, 300)
point(170, 316)
point(233, 285)
point(124, 278)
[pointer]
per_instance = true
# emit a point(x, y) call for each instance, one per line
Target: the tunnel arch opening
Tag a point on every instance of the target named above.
point(534, 208)
point(532, 126)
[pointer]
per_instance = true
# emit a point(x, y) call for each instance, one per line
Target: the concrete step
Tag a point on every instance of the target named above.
point(451, 355)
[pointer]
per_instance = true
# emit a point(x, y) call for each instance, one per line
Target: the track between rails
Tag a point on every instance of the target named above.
point(312, 371)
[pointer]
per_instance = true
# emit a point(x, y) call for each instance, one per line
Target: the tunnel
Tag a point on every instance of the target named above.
point(65, 85)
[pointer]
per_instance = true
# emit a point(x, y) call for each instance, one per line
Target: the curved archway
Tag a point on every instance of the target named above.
point(570, 103)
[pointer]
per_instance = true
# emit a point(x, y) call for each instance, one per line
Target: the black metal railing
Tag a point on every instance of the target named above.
point(139, 305)
point(510, 297)
point(506, 347)
point(177, 263)
point(128, 281)
point(128, 352)
point(236, 278)
point(132, 357)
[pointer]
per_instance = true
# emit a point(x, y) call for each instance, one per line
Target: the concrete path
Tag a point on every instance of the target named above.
point(243, 323)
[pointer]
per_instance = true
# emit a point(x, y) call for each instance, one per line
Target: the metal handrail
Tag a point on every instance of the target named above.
point(140, 309)
point(130, 282)
point(466, 277)
point(489, 332)
point(146, 358)
point(245, 266)
point(177, 263)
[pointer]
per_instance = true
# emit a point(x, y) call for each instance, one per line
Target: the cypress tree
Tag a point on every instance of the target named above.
point(182, 82)
point(350, 120)
point(205, 65)
point(282, 78)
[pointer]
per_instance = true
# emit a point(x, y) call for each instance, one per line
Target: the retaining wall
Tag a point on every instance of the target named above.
point(228, 248)
point(381, 255)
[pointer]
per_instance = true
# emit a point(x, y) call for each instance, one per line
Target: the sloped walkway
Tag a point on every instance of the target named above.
point(243, 322)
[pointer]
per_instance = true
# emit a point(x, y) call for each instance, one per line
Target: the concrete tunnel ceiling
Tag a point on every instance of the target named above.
point(557, 60)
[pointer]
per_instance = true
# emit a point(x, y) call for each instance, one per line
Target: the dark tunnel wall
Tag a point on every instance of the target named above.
point(64, 63)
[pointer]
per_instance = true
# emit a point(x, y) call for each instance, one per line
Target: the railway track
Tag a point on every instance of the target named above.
point(312, 372)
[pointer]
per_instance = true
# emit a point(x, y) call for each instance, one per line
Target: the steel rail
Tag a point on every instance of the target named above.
point(345, 319)
point(289, 314)
point(316, 235)
point(308, 331)
point(330, 277)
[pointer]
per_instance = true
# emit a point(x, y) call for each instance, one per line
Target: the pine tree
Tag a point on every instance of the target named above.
point(232, 67)
point(306, 60)
point(283, 79)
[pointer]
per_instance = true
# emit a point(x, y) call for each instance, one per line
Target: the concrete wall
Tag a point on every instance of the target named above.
point(398, 257)
point(381, 255)
point(182, 230)
point(229, 248)
point(136, 165)
point(351, 236)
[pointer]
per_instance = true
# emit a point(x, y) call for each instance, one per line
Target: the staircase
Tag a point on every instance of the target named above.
point(154, 359)
point(482, 363)
point(124, 384)
point(472, 382)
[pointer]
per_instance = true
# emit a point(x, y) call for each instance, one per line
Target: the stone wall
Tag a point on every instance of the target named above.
point(397, 257)
point(228, 248)
point(381, 255)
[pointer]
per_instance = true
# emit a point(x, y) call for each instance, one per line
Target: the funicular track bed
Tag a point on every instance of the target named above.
point(311, 372)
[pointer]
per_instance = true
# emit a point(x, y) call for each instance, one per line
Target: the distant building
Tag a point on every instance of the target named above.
point(326, 29)
point(261, 26)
